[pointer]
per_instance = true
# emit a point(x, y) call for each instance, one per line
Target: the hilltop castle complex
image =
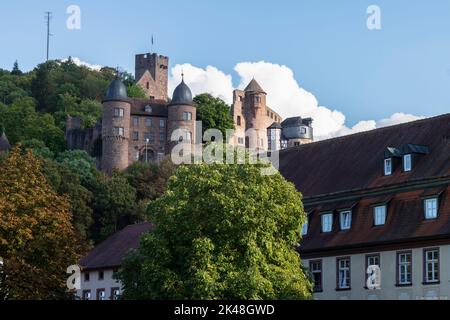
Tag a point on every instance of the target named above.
point(142, 129)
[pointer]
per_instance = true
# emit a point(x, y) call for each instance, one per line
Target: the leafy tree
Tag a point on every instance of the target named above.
point(38, 147)
point(80, 162)
point(222, 232)
point(114, 204)
point(149, 179)
point(214, 113)
point(135, 91)
point(22, 123)
point(37, 240)
point(67, 182)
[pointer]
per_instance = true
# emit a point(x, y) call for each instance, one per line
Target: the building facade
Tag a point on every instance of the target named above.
point(101, 263)
point(378, 211)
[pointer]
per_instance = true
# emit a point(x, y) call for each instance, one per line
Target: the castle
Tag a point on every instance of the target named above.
point(142, 129)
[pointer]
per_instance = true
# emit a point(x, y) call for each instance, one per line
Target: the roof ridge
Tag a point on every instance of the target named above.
point(392, 127)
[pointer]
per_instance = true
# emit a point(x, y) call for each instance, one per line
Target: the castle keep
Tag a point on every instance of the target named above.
point(142, 129)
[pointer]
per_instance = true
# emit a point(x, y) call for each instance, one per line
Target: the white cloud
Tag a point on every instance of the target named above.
point(79, 62)
point(284, 95)
point(209, 80)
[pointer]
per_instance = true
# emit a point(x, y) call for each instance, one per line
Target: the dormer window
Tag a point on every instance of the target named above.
point(148, 109)
point(327, 222)
point(407, 162)
point(379, 215)
point(431, 208)
point(388, 167)
point(346, 220)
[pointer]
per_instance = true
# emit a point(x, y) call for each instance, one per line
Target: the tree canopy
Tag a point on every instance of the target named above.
point(221, 232)
point(37, 240)
point(213, 112)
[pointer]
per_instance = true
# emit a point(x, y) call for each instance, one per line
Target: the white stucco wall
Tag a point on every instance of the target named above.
point(94, 283)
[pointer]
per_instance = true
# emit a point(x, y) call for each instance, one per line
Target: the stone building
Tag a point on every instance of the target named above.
point(142, 129)
point(378, 206)
point(259, 127)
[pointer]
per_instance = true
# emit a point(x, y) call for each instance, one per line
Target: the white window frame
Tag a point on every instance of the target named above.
point(162, 123)
point(135, 121)
point(316, 268)
point(119, 131)
point(119, 112)
point(327, 221)
point(187, 116)
point(407, 162)
point(345, 224)
point(148, 122)
point(388, 166)
point(344, 273)
point(434, 264)
point(378, 211)
point(431, 207)
point(405, 268)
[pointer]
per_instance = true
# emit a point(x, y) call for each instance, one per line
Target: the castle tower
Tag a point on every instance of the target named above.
point(181, 115)
point(151, 73)
point(116, 127)
point(255, 115)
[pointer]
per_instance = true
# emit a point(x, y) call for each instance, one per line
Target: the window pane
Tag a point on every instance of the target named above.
point(407, 166)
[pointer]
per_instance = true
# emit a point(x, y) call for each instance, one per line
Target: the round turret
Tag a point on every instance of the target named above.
point(182, 95)
point(181, 116)
point(116, 114)
point(116, 91)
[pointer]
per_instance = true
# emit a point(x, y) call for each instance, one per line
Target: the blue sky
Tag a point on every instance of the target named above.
point(404, 67)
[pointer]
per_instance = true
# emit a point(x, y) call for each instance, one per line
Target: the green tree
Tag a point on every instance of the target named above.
point(214, 113)
point(114, 204)
point(222, 232)
point(37, 239)
point(22, 122)
point(16, 71)
point(67, 182)
point(149, 179)
point(80, 162)
point(135, 91)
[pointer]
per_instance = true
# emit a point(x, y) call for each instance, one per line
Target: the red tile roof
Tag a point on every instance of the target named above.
point(109, 253)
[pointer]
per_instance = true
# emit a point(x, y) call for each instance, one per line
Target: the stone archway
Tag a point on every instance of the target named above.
point(147, 155)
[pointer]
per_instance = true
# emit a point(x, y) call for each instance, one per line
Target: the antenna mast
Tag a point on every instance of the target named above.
point(48, 17)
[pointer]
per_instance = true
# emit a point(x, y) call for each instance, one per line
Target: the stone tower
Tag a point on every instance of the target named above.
point(255, 115)
point(115, 127)
point(151, 73)
point(181, 115)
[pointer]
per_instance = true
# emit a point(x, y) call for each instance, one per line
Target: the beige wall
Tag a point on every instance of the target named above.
point(389, 290)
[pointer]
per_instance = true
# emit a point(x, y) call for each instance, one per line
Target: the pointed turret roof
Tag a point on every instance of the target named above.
point(4, 143)
point(254, 86)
